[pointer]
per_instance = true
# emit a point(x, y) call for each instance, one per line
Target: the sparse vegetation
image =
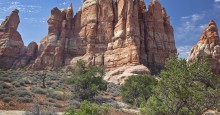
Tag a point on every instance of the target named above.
point(37, 109)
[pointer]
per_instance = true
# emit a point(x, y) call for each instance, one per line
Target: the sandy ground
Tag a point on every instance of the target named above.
point(2, 112)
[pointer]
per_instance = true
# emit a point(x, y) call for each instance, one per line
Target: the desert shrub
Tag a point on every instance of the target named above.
point(23, 93)
point(87, 82)
point(184, 89)
point(58, 105)
point(74, 104)
point(27, 81)
point(5, 86)
point(87, 108)
point(22, 83)
point(39, 91)
point(6, 79)
point(16, 84)
point(55, 95)
point(51, 100)
point(4, 95)
point(37, 109)
point(6, 99)
point(11, 103)
point(137, 88)
point(24, 99)
point(114, 89)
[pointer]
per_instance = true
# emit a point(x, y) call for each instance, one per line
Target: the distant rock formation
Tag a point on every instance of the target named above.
point(51, 52)
point(208, 46)
point(11, 44)
point(116, 34)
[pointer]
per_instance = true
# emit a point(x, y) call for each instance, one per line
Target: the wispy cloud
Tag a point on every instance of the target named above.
point(190, 27)
point(216, 0)
point(217, 3)
point(9, 6)
point(184, 51)
point(35, 20)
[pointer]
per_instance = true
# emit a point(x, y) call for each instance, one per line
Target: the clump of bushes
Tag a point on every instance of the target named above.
point(87, 81)
point(55, 95)
point(6, 99)
point(86, 108)
point(24, 99)
point(137, 88)
point(39, 91)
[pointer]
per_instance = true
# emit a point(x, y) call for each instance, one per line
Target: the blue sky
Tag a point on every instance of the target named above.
point(188, 17)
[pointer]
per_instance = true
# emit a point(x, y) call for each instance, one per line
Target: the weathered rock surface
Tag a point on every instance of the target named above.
point(208, 46)
point(117, 34)
point(51, 49)
point(28, 56)
point(119, 75)
point(11, 44)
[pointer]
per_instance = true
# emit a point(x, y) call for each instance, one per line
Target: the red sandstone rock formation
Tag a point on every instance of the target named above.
point(121, 35)
point(208, 46)
point(51, 49)
point(117, 34)
point(28, 56)
point(11, 44)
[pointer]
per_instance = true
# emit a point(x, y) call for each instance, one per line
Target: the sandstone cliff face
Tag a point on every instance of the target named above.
point(11, 44)
point(117, 34)
point(208, 46)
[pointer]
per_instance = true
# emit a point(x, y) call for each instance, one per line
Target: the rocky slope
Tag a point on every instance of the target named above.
point(114, 33)
point(208, 46)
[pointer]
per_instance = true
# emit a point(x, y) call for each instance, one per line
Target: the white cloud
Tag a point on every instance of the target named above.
point(190, 28)
point(9, 6)
point(216, 0)
point(35, 20)
point(184, 51)
point(196, 17)
point(217, 3)
point(1, 20)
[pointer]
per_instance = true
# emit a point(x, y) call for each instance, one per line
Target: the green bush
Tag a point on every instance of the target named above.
point(39, 91)
point(55, 95)
point(51, 100)
point(6, 99)
point(24, 99)
point(23, 93)
point(11, 103)
point(86, 108)
point(58, 105)
point(184, 89)
point(2, 96)
point(137, 88)
point(87, 81)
